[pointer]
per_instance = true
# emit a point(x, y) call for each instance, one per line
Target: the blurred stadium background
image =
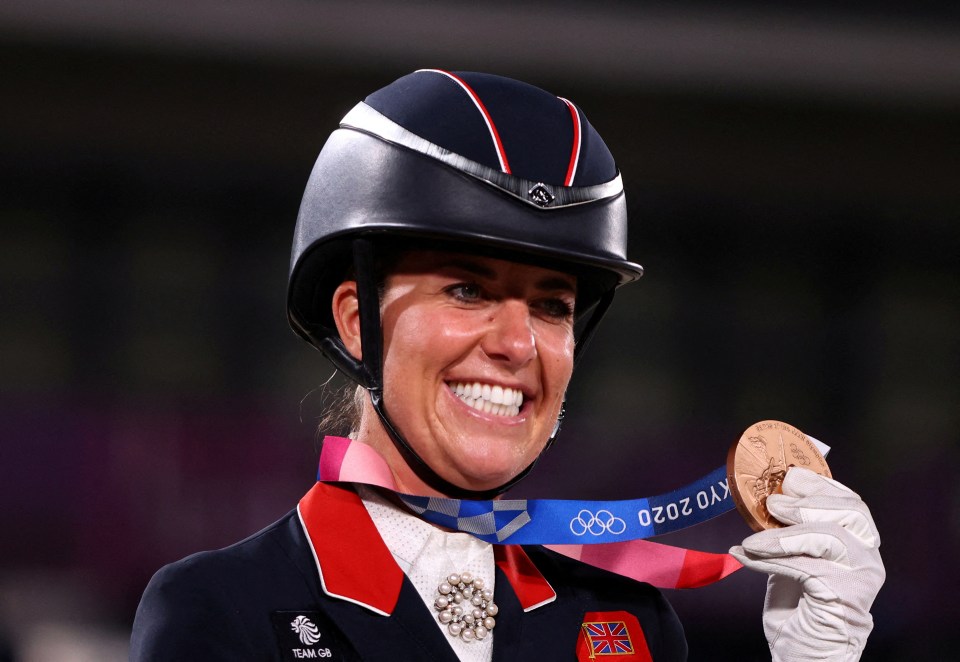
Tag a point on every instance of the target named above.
point(794, 180)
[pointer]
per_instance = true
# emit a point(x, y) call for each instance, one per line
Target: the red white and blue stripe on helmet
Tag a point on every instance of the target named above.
point(497, 143)
point(577, 143)
point(513, 127)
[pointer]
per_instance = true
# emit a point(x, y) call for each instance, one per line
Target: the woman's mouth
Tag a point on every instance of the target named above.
point(489, 398)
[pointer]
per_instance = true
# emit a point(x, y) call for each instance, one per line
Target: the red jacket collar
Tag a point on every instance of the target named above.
point(359, 568)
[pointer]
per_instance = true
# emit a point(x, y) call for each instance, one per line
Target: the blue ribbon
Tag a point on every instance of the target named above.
point(574, 522)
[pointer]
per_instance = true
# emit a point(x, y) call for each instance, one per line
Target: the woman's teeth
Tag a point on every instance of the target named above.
point(495, 400)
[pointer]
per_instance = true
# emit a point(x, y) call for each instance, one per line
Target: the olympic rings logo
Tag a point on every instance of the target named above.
point(603, 522)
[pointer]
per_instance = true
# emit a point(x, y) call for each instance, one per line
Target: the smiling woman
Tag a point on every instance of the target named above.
point(459, 239)
point(502, 330)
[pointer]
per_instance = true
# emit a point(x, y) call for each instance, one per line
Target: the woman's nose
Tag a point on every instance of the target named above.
point(510, 336)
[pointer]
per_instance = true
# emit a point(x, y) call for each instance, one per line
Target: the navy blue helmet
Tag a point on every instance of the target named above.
point(469, 162)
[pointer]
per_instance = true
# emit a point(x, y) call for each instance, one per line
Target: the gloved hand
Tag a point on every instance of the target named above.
point(825, 570)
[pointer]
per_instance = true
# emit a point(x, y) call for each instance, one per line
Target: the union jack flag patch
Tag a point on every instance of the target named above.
point(611, 633)
point(609, 638)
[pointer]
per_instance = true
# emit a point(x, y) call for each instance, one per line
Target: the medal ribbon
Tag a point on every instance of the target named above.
point(570, 527)
point(572, 522)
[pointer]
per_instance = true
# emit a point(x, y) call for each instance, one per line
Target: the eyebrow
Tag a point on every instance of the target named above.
point(477, 269)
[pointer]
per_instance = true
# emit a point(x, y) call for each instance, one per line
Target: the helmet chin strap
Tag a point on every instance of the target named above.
point(371, 370)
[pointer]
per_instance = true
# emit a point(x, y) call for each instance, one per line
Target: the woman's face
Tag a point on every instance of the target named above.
point(477, 356)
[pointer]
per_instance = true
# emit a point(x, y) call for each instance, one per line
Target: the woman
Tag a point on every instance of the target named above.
point(459, 239)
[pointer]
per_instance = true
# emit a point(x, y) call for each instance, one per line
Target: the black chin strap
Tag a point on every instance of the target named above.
point(371, 337)
point(423, 470)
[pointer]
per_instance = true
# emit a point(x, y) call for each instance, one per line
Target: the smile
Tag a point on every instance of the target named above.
point(489, 398)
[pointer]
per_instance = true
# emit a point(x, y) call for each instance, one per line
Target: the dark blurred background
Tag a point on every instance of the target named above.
point(792, 175)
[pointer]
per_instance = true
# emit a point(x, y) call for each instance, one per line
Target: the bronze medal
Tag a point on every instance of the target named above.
point(758, 462)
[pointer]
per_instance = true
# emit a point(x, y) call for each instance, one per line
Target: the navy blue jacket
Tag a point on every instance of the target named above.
point(323, 570)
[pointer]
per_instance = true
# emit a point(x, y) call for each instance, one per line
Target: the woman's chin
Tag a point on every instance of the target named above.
point(478, 476)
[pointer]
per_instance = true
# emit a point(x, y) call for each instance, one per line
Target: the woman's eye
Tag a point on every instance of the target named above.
point(464, 292)
point(556, 308)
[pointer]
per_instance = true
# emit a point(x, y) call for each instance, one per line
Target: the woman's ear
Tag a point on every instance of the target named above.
point(346, 315)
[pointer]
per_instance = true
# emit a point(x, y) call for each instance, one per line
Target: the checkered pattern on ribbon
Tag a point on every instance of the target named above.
point(491, 521)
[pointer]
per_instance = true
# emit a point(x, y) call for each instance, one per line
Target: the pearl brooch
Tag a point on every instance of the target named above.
point(466, 607)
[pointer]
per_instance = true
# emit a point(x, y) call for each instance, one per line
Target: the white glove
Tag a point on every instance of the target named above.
point(825, 570)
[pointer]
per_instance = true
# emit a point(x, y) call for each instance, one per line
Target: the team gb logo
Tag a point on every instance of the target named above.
point(308, 632)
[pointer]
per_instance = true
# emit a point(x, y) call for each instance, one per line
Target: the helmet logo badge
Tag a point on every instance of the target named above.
point(541, 195)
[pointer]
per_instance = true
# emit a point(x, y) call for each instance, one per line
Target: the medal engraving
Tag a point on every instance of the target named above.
point(758, 462)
